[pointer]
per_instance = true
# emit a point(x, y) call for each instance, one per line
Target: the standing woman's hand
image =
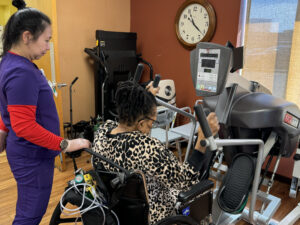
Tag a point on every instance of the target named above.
point(77, 144)
point(3, 136)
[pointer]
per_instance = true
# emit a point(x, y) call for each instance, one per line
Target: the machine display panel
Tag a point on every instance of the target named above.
point(209, 55)
point(208, 63)
point(291, 120)
point(208, 68)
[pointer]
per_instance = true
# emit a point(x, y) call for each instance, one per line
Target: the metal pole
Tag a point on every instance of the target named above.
point(260, 158)
point(184, 113)
point(71, 110)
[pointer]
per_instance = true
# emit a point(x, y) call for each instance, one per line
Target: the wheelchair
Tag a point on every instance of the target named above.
point(123, 199)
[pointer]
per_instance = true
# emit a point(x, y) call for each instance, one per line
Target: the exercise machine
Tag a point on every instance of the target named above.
point(115, 60)
point(254, 124)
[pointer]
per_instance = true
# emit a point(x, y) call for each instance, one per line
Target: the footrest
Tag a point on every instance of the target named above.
point(233, 194)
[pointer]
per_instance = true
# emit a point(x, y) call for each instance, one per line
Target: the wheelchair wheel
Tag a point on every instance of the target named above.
point(178, 220)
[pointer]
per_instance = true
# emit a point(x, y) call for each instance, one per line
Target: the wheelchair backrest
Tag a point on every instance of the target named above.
point(127, 196)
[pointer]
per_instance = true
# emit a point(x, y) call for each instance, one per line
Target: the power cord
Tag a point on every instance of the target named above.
point(97, 202)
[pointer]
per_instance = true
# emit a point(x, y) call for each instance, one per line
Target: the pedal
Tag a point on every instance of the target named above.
point(233, 194)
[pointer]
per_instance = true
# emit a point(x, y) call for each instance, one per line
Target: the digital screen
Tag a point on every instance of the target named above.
point(208, 63)
point(209, 55)
point(207, 70)
point(291, 120)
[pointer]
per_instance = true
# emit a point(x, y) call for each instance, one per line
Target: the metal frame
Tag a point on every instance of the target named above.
point(186, 114)
point(260, 159)
point(272, 202)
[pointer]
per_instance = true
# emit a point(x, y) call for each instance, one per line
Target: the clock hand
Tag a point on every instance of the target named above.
point(191, 19)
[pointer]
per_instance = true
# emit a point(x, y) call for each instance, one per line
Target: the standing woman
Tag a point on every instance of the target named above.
point(30, 124)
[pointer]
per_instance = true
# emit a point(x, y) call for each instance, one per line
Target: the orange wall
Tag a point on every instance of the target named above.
point(77, 22)
point(154, 23)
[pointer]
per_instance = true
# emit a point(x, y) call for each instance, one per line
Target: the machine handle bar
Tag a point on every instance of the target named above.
point(73, 82)
point(156, 81)
point(126, 172)
point(138, 72)
point(92, 53)
point(202, 120)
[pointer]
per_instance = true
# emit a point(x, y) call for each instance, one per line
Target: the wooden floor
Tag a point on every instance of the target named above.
point(8, 191)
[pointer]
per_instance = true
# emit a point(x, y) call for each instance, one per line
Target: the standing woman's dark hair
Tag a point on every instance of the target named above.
point(25, 19)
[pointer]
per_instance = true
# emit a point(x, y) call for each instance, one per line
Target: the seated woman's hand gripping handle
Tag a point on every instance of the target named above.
point(153, 90)
point(214, 126)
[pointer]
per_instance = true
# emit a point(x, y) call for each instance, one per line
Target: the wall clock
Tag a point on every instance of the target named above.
point(195, 21)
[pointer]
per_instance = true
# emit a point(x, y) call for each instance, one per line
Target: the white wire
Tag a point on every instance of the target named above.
point(115, 215)
point(67, 209)
point(96, 203)
point(93, 205)
point(84, 187)
point(79, 208)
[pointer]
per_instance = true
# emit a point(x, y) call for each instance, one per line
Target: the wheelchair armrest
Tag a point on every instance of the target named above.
point(195, 190)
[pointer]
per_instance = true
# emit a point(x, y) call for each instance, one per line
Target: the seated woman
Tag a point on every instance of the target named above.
point(128, 144)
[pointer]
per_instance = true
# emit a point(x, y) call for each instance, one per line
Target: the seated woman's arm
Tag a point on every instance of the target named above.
point(197, 157)
point(166, 167)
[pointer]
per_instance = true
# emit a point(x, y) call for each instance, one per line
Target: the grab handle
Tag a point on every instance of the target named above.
point(210, 141)
point(202, 120)
point(73, 82)
point(156, 81)
point(127, 172)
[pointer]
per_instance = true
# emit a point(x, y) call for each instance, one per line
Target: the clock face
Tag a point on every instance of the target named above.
point(193, 23)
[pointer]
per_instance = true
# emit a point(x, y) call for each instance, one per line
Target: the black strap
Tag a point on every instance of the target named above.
point(166, 100)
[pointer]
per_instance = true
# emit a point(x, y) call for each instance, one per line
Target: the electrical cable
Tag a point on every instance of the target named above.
point(79, 209)
point(115, 215)
point(97, 202)
point(90, 207)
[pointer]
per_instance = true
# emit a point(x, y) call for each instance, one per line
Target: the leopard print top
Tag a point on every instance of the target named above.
point(165, 175)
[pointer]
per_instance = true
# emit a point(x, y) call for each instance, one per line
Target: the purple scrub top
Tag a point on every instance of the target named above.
point(22, 83)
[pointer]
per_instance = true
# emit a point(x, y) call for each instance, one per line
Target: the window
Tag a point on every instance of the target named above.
point(269, 42)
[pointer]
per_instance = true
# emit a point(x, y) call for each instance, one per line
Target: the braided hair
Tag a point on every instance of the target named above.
point(133, 102)
point(25, 19)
